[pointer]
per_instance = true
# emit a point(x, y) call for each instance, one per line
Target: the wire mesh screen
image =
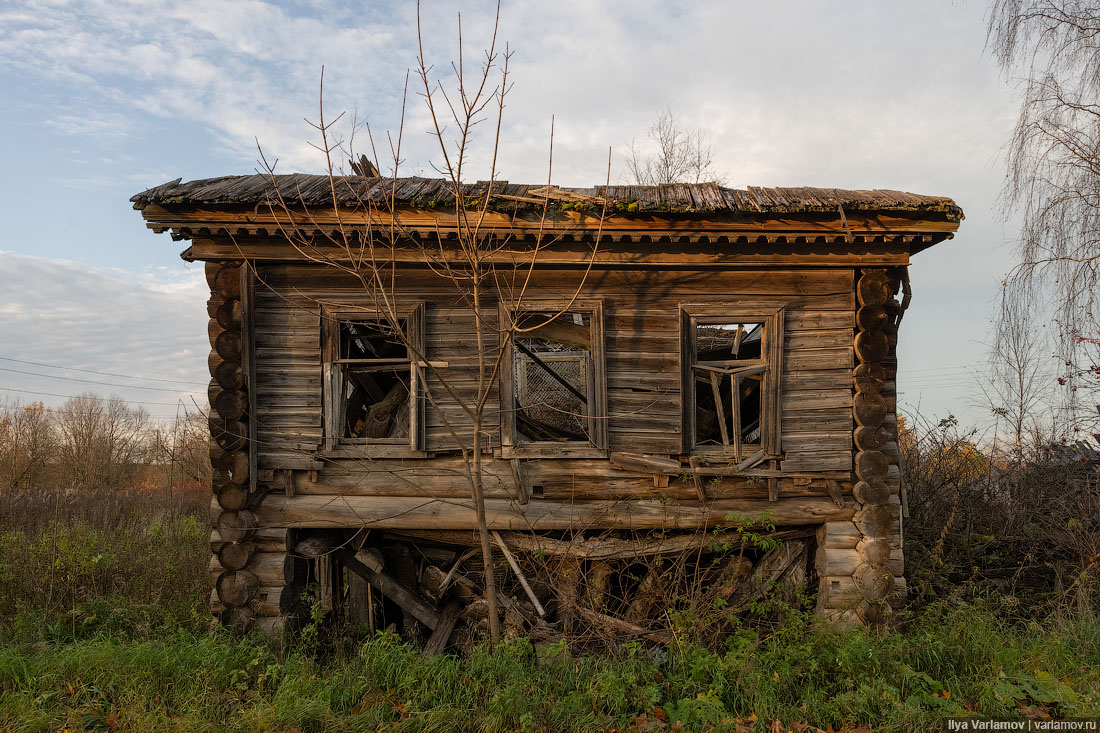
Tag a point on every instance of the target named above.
point(548, 409)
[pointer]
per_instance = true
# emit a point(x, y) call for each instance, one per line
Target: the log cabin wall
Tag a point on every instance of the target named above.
point(642, 342)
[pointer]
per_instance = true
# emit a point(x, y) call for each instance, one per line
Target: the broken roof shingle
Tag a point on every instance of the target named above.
point(311, 189)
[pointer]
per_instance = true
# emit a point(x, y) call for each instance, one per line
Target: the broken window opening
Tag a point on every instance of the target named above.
point(553, 377)
point(377, 374)
point(371, 380)
point(728, 367)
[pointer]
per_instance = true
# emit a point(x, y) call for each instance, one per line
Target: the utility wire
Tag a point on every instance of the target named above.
point(93, 381)
point(105, 374)
point(90, 397)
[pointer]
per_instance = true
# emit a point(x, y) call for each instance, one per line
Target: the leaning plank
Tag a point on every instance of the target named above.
point(437, 642)
point(392, 589)
point(519, 573)
point(392, 512)
point(645, 464)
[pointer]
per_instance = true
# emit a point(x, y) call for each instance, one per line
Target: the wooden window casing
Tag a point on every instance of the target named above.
point(336, 367)
point(591, 373)
point(767, 368)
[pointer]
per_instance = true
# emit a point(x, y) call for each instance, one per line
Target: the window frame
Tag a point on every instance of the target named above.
point(332, 385)
point(693, 315)
point(511, 445)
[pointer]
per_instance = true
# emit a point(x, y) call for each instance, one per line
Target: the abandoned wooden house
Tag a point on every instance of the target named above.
point(662, 367)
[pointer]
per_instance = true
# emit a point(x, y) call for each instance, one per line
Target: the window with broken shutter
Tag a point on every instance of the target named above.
point(731, 371)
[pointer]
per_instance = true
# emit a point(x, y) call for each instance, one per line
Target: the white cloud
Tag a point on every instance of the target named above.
point(69, 314)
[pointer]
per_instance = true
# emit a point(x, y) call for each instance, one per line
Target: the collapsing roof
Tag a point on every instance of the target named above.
point(308, 189)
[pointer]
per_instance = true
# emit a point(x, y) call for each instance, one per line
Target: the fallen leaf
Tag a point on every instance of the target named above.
point(1032, 712)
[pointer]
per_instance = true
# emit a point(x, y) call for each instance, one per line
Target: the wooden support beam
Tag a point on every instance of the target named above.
point(397, 512)
point(392, 589)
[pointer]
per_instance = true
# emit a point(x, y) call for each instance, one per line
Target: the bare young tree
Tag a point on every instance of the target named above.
point(370, 238)
point(671, 153)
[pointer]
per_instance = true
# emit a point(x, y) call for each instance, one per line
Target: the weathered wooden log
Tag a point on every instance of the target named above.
point(228, 345)
point(618, 626)
point(380, 414)
point(567, 582)
point(425, 513)
point(231, 404)
point(274, 600)
point(227, 281)
point(238, 618)
point(236, 526)
point(645, 595)
point(770, 568)
point(211, 270)
point(236, 587)
point(838, 591)
point(871, 465)
point(874, 581)
point(228, 374)
point(645, 464)
point(876, 520)
point(868, 437)
point(230, 435)
point(871, 346)
point(272, 569)
point(735, 571)
point(869, 377)
point(836, 561)
point(597, 577)
point(274, 627)
point(235, 555)
point(871, 318)
point(873, 288)
point(228, 314)
point(874, 550)
point(266, 539)
point(869, 409)
point(236, 464)
point(437, 642)
point(873, 492)
point(874, 613)
point(842, 535)
point(612, 548)
point(392, 589)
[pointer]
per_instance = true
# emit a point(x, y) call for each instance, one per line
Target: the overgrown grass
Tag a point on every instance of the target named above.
point(104, 626)
point(72, 563)
point(949, 663)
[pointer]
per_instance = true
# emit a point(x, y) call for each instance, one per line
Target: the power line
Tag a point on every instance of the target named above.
point(177, 403)
point(105, 374)
point(92, 381)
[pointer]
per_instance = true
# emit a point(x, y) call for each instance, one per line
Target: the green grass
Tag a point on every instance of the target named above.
point(945, 664)
point(104, 625)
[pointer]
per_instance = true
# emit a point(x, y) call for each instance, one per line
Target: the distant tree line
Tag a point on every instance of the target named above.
point(93, 443)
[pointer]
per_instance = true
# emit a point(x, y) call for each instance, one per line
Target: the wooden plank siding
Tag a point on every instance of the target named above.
point(643, 383)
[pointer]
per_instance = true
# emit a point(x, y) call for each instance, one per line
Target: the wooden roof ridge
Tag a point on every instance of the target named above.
point(418, 192)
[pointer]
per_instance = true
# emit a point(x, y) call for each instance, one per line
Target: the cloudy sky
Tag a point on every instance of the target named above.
point(102, 99)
